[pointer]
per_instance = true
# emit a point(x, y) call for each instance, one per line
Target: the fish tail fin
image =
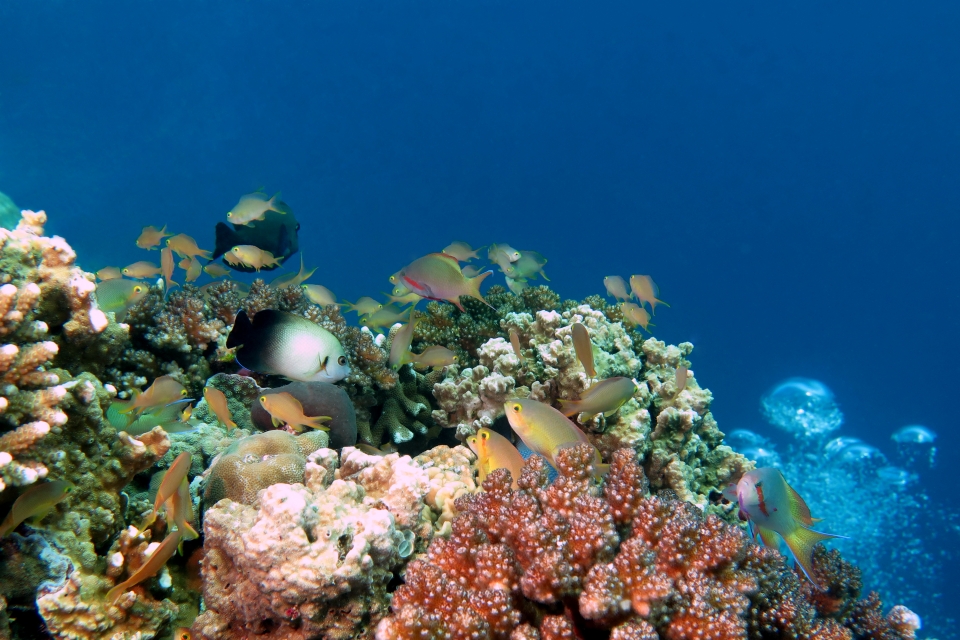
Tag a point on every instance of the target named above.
point(474, 287)
point(316, 422)
point(273, 203)
point(242, 329)
point(801, 542)
point(569, 407)
point(230, 424)
point(128, 406)
point(544, 274)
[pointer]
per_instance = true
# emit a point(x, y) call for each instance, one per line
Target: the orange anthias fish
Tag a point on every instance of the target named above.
point(153, 564)
point(251, 256)
point(34, 503)
point(438, 277)
point(142, 269)
point(772, 506)
point(616, 288)
point(495, 452)
point(150, 237)
point(162, 392)
point(285, 409)
point(635, 314)
point(167, 265)
point(434, 356)
point(193, 268)
point(647, 291)
point(461, 251)
point(364, 306)
point(109, 273)
point(400, 347)
point(253, 206)
point(385, 317)
point(217, 401)
point(186, 247)
point(319, 294)
point(584, 348)
point(515, 343)
point(606, 397)
point(172, 477)
point(293, 279)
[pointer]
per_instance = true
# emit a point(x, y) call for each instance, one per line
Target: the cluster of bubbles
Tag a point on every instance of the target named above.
point(893, 529)
point(802, 407)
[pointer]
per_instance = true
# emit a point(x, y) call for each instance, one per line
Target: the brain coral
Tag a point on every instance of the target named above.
point(256, 462)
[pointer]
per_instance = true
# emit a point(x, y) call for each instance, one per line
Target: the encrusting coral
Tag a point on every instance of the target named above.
point(315, 559)
point(560, 560)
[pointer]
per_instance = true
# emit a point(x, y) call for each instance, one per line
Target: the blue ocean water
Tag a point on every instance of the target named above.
point(790, 176)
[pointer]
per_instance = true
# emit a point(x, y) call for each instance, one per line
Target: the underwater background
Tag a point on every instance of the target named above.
point(790, 175)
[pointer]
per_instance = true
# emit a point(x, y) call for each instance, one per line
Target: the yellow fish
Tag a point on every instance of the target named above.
point(285, 409)
point(616, 288)
point(318, 294)
point(438, 277)
point(35, 503)
point(194, 268)
point(148, 569)
point(119, 295)
point(516, 286)
point(186, 247)
point(635, 314)
point(250, 256)
point(162, 392)
point(217, 402)
point(499, 252)
point(546, 431)
point(216, 270)
point(772, 506)
point(528, 266)
point(584, 348)
point(150, 237)
point(495, 452)
point(166, 266)
point(142, 269)
point(461, 251)
point(109, 273)
point(434, 356)
point(647, 291)
point(680, 377)
point(364, 306)
point(404, 299)
point(400, 347)
point(606, 397)
point(253, 206)
point(293, 279)
point(515, 343)
point(385, 317)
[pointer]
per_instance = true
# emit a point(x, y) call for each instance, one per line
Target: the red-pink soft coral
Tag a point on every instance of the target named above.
point(566, 559)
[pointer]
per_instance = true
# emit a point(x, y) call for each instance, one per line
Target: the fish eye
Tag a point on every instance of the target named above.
point(484, 435)
point(137, 289)
point(456, 358)
point(229, 214)
point(516, 408)
point(393, 279)
point(342, 360)
point(184, 392)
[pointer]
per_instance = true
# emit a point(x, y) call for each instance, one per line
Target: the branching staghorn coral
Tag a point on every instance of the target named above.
point(562, 560)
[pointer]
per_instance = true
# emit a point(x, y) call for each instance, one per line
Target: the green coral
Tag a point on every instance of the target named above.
point(405, 411)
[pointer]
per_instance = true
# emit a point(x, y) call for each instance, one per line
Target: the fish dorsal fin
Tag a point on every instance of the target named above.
point(799, 508)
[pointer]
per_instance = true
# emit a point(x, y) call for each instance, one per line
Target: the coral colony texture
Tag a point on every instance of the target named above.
point(304, 535)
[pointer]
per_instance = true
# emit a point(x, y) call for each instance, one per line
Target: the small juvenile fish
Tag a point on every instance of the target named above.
point(507, 252)
point(606, 397)
point(285, 344)
point(364, 306)
point(293, 279)
point(515, 342)
point(253, 206)
point(251, 256)
point(153, 564)
point(434, 356)
point(772, 506)
point(285, 409)
point(400, 347)
point(385, 317)
point(35, 503)
point(119, 295)
point(545, 430)
point(150, 237)
point(319, 294)
point(495, 452)
point(616, 288)
point(217, 402)
point(647, 291)
point(635, 314)
point(186, 247)
point(172, 477)
point(681, 378)
point(162, 392)
point(216, 270)
point(584, 348)
point(461, 251)
point(438, 277)
point(166, 266)
point(109, 273)
point(527, 267)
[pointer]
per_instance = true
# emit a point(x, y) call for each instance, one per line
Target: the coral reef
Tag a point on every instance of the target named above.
point(568, 558)
point(314, 560)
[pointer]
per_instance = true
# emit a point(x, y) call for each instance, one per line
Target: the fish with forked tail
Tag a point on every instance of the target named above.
point(276, 233)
